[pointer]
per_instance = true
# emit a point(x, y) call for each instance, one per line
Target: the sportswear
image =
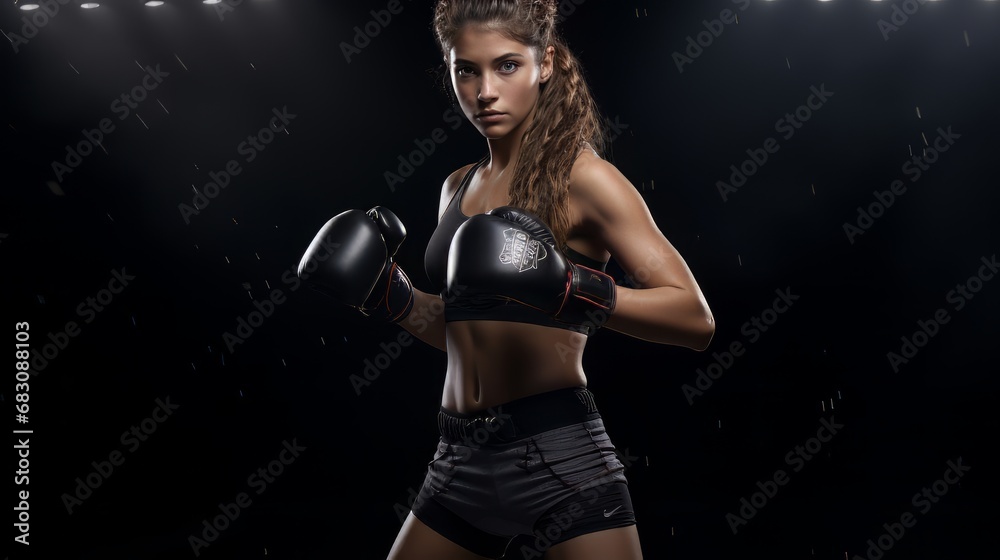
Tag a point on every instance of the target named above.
point(436, 268)
point(541, 465)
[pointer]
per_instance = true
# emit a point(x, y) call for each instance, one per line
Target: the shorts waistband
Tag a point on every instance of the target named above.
point(519, 418)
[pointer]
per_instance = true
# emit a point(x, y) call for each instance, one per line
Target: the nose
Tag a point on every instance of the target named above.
point(487, 89)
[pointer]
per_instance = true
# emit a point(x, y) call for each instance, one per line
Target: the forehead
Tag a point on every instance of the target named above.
point(481, 45)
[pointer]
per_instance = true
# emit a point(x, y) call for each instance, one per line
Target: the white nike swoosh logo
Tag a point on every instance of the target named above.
point(612, 512)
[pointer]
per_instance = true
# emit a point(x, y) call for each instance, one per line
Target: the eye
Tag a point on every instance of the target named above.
point(513, 65)
point(459, 71)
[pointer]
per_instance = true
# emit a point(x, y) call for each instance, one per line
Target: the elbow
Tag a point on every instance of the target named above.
point(705, 334)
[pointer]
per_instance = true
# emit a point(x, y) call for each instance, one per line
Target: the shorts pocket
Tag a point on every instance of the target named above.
point(579, 455)
point(441, 469)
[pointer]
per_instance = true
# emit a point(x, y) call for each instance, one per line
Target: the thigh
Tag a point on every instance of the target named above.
point(611, 544)
point(417, 541)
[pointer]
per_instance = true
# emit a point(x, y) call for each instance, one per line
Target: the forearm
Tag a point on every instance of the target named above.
point(426, 319)
point(665, 315)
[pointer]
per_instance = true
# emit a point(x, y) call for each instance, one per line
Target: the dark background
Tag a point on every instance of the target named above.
point(690, 464)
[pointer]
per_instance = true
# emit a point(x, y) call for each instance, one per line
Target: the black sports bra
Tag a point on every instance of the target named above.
point(491, 309)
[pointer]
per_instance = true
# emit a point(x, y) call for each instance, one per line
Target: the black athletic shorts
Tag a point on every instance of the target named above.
point(541, 466)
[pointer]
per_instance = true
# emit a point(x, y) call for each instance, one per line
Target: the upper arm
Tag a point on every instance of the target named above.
point(449, 187)
point(618, 216)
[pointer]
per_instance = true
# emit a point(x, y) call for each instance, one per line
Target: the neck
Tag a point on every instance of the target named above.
point(503, 152)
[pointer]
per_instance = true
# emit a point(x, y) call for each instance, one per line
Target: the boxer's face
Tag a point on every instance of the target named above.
point(492, 72)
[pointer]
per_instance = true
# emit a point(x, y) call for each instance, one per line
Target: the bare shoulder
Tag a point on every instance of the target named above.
point(450, 186)
point(600, 192)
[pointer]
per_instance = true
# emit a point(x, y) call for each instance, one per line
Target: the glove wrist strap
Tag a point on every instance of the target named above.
point(591, 297)
point(395, 301)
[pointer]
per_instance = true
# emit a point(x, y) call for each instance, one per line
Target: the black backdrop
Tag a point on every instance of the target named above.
point(871, 271)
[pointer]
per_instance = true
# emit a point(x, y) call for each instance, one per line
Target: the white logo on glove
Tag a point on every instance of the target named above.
point(520, 251)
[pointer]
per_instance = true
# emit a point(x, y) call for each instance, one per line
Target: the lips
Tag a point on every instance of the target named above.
point(487, 118)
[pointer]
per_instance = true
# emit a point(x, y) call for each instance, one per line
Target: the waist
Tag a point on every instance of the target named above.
point(519, 418)
point(491, 362)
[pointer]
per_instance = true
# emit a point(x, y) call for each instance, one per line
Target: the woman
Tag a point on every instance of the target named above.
point(523, 448)
point(520, 86)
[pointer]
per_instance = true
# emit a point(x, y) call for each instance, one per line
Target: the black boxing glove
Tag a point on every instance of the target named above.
point(511, 253)
point(391, 298)
point(351, 260)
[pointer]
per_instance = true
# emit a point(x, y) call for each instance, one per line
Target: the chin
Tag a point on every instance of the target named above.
point(493, 133)
point(503, 129)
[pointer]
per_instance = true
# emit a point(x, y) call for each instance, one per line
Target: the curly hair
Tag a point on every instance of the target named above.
point(566, 117)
